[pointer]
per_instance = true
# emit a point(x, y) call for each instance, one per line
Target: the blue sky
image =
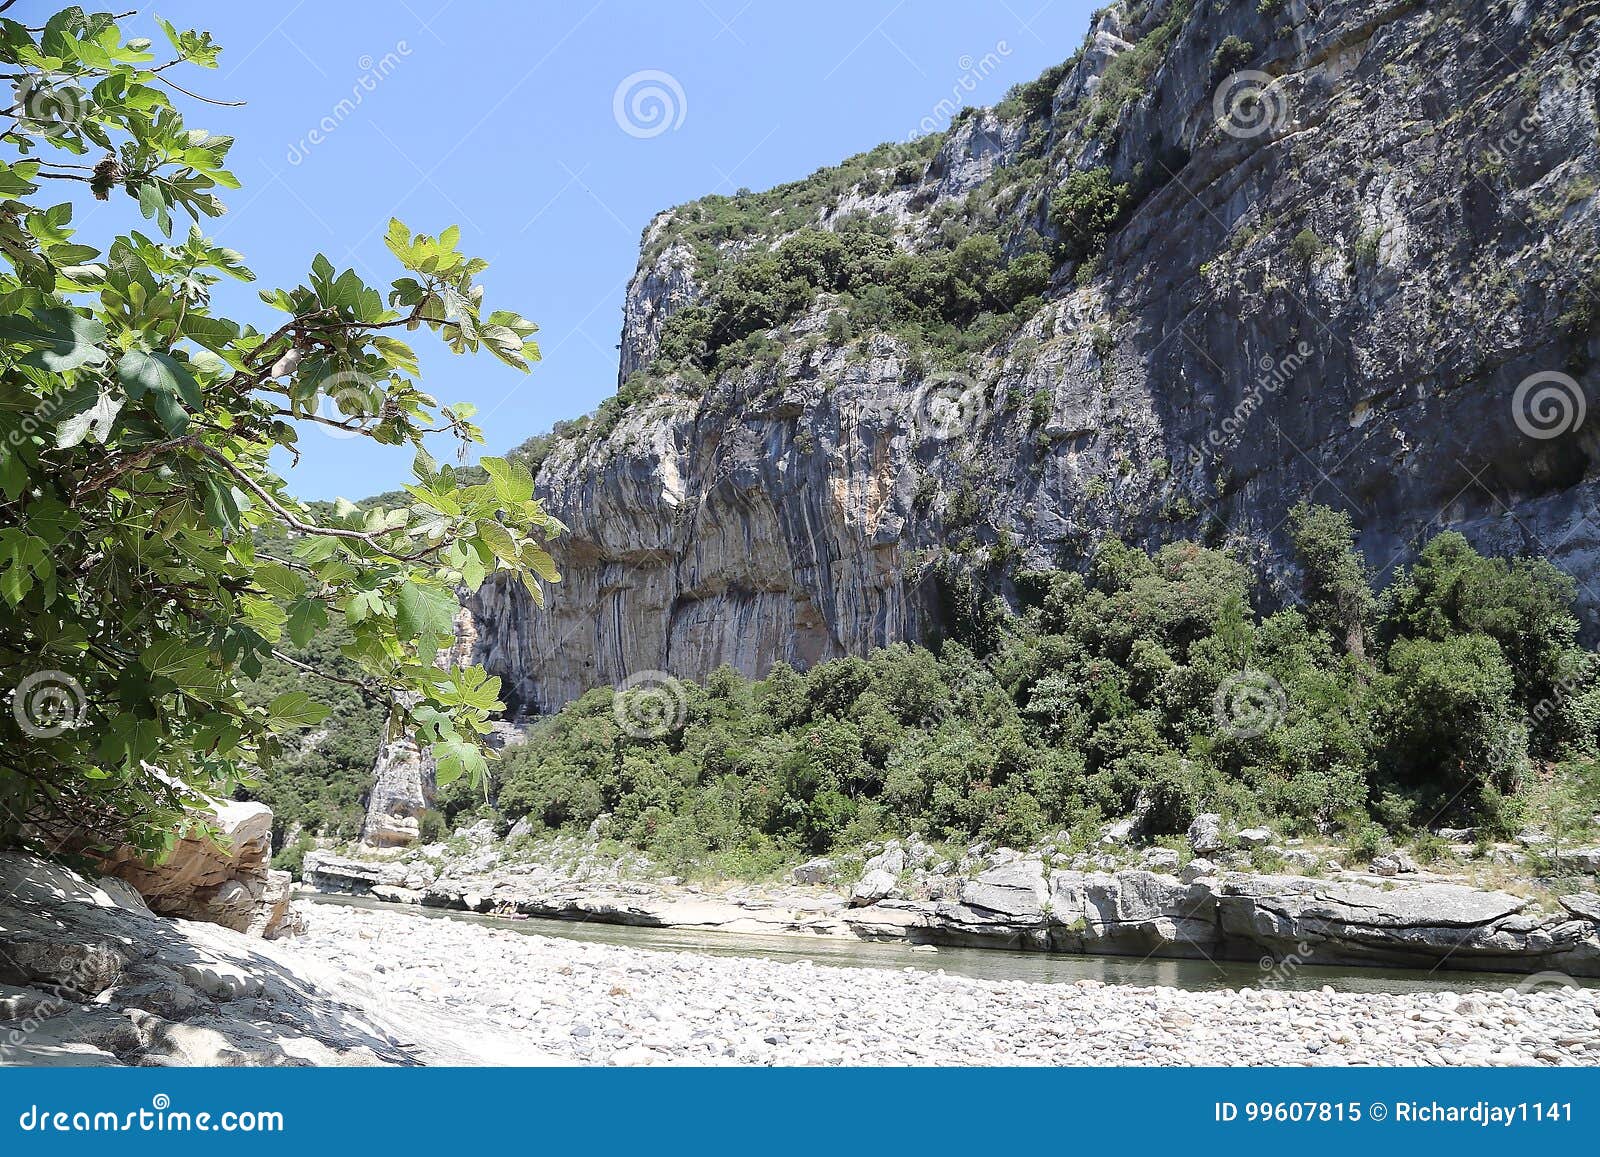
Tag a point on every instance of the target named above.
point(499, 117)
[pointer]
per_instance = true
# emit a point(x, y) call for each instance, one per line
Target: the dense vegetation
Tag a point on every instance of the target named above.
point(956, 296)
point(152, 561)
point(1147, 685)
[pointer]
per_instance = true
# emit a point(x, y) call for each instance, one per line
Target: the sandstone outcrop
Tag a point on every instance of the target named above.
point(223, 880)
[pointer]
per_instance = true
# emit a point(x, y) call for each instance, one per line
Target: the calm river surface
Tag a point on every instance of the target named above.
point(983, 963)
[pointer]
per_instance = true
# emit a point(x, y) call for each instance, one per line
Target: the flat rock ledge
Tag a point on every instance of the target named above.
point(1023, 904)
point(89, 975)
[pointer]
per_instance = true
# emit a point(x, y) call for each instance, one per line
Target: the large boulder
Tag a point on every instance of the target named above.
point(220, 875)
point(1205, 834)
point(817, 871)
point(1582, 859)
point(91, 976)
point(873, 886)
point(402, 791)
point(1419, 924)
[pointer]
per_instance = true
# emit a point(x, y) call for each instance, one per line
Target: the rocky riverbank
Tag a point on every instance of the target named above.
point(89, 976)
point(605, 1004)
point(1037, 900)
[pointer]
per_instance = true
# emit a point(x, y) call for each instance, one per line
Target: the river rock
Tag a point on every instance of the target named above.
point(817, 871)
point(1584, 905)
point(1160, 859)
point(1392, 864)
point(1196, 869)
point(1582, 859)
point(1205, 834)
point(873, 886)
point(325, 871)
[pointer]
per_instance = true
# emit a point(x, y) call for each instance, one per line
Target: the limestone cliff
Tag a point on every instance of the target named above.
point(1356, 264)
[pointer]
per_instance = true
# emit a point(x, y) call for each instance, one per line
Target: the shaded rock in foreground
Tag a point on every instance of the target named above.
point(224, 881)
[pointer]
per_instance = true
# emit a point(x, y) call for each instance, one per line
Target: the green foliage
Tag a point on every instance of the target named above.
point(1448, 717)
point(1337, 596)
point(1127, 75)
point(1231, 55)
point(938, 294)
point(1100, 690)
point(1306, 247)
point(152, 563)
point(1087, 206)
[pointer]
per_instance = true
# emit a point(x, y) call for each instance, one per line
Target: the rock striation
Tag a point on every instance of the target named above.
point(1342, 303)
point(219, 877)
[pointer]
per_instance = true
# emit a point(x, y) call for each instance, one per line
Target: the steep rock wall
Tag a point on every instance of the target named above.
point(1340, 302)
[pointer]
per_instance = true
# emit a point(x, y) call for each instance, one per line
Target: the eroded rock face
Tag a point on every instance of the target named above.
point(224, 881)
point(402, 789)
point(1338, 308)
point(403, 773)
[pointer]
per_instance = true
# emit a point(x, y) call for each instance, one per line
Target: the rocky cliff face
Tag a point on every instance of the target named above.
point(1358, 267)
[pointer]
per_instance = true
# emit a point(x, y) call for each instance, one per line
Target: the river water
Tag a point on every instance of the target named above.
point(982, 963)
